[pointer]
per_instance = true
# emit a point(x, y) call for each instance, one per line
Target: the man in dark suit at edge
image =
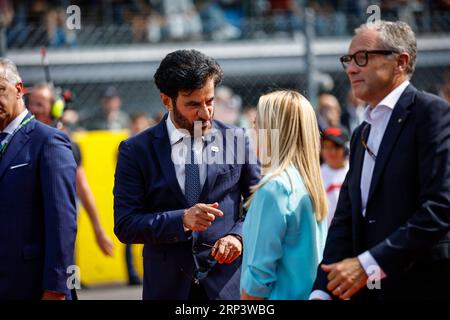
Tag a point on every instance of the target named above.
point(37, 200)
point(392, 222)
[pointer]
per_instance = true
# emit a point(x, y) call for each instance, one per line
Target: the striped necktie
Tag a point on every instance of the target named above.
point(192, 187)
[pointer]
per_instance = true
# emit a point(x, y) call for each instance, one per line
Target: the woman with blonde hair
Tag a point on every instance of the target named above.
point(285, 227)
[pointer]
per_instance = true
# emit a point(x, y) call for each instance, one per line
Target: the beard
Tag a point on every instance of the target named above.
point(198, 128)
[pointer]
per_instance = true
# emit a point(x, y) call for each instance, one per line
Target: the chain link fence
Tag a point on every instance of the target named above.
point(143, 96)
point(134, 82)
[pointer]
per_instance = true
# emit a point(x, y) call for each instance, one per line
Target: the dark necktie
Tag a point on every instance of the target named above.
point(192, 186)
point(3, 135)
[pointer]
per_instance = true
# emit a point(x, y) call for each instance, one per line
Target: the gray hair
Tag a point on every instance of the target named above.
point(10, 72)
point(395, 36)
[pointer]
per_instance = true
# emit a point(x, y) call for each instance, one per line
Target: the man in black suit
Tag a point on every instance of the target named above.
point(390, 231)
point(187, 213)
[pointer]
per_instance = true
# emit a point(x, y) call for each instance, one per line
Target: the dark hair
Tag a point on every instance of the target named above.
point(186, 70)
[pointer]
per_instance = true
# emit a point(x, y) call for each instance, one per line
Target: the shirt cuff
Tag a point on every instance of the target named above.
point(319, 294)
point(371, 267)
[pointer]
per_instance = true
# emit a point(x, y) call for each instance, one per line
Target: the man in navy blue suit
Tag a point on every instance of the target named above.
point(37, 200)
point(389, 238)
point(179, 187)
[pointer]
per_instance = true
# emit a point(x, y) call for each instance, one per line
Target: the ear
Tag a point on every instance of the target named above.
point(166, 100)
point(20, 90)
point(402, 63)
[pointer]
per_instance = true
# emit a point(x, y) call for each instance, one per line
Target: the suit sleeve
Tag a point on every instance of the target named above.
point(339, 244)
point(57, 170)
point(431, 222)
point(250, 177)
point(132, 224)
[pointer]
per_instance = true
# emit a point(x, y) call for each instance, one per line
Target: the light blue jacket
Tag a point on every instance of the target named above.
point(283, 242)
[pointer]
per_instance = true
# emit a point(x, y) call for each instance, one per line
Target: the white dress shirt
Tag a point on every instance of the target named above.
point(180, 153)
point(378, 118)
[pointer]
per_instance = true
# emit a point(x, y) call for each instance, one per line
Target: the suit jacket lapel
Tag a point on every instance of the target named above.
point(359, 161)
point(164, 152)
point(358, 224)
point(393, 129)
point(19, 140)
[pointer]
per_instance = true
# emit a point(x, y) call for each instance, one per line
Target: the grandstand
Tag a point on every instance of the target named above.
point(268, 49)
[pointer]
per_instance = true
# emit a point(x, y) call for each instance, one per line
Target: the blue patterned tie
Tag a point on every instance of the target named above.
point(192, 187)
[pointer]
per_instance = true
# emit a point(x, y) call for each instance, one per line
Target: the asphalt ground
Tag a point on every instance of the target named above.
point(110, 292)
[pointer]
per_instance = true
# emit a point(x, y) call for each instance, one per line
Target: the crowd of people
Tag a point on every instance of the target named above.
point(296, 212)
point(153, 21)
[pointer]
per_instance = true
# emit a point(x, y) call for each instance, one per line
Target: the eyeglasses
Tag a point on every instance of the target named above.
point(362, 57)
point(202, 269)
point(364, 143)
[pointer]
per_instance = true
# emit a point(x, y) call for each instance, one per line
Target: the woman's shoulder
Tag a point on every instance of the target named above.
point(286, 182)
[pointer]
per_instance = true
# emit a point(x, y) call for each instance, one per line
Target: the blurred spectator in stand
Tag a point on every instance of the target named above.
point(183, 20)
point(32, 21)
point(58, 35)
point(139, 27)
point(6, 13)
point(156, 22)
point(234, 11)
point(147, 24)
point(329, 21)
point(17, 32)
point(352, 115)
point(214, 22)
point(36, 11)
point(227, 105)
point(109, 117)
point(408, 10)
point(286, 15)
point(40, 103)
point(334, 153)
point(404, 10)
point(329, 111)
point(354, 11)
point(439, 12)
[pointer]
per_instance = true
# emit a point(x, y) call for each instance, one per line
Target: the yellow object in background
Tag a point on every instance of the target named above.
point(99, 150)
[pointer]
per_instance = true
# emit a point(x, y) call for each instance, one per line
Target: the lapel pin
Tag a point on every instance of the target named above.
point(214, 149)
point(400, 120)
